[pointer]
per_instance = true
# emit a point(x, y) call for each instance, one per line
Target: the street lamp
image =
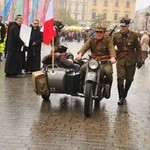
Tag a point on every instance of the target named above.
point(147, 16)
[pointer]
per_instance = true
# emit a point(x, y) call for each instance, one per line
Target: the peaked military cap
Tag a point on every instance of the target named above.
point(99, 29)
point(124, 21)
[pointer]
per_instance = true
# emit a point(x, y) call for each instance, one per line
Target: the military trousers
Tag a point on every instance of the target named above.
point(125, 72)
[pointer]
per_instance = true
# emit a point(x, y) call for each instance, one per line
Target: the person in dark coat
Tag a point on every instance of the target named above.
point(8, 27)
point(2, 36)
point(34, 51)
point(13, 66)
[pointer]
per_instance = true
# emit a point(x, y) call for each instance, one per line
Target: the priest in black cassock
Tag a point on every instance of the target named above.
point(33, 62)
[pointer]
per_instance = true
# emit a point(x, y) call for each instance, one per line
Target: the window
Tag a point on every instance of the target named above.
point(83, 17)
point(127, 3)
point(76, 17)
point(105, 2)
point(104, 16)
point(94, 2)
point(116, 3)
point(127, 15)
point(76, 7)
point(93, 15)
point(83, 8)
point(115, 16)
point(69, 7)
point(61, 4)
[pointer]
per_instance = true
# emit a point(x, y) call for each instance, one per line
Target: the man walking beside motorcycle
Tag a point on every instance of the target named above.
point(101, 47)
point(129, 56)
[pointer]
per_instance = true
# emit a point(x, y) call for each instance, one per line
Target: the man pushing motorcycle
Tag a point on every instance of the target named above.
point(101, 47)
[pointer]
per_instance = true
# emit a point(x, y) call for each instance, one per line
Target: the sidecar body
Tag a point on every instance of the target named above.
point(63, 80)
point(59, 80)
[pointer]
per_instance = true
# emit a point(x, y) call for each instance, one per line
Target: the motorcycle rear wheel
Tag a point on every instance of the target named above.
point(88, 102)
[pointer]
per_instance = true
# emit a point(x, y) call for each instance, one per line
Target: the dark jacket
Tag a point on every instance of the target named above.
point(61, 61)
point(2, 32)
point(14, 42)
point(37, 38)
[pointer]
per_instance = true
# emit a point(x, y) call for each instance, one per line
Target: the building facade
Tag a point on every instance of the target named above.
point(85, 11)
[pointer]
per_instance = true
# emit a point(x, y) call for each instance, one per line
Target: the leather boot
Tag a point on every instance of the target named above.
point(121, 93)
point(127, 86)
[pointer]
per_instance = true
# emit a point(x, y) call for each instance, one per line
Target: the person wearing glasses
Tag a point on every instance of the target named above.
point(129, 56)
point(33, 62)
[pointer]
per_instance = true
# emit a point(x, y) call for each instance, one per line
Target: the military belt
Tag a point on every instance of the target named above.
point(126, 52)
point(97, 57)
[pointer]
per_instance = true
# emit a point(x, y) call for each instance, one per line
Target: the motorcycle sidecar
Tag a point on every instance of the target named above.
point(62, 80)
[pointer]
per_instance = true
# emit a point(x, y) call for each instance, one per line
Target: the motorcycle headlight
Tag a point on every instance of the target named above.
point(93, 64)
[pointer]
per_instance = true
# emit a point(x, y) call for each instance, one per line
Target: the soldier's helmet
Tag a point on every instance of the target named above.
point(100, 29)
point(125, 21)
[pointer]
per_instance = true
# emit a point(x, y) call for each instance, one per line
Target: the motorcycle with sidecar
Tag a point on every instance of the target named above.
point(69, 81)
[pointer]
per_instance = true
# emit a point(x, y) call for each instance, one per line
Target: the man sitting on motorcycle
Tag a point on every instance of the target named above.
point(62, 58)
point(101, 47)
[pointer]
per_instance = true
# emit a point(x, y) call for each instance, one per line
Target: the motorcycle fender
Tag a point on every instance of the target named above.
point(90, 76)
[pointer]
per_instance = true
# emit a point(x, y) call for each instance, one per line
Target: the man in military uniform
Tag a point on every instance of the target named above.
point(101, 47)
point(129, 57)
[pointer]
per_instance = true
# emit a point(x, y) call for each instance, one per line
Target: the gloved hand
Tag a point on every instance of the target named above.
point(139, 65)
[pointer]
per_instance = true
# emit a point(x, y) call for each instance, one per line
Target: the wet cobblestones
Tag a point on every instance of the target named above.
point(29, 123)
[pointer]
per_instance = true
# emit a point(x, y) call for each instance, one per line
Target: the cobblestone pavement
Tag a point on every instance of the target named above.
point(29, 123)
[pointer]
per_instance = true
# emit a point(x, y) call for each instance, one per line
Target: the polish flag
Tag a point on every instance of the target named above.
point(49, 30)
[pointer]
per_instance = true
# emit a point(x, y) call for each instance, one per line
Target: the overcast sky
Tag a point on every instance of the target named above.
point(142, 4)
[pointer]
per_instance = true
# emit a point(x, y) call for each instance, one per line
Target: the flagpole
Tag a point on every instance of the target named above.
point(53, 57)
point(49, 32)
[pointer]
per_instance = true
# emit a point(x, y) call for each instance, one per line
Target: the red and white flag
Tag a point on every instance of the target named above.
point(49, 30)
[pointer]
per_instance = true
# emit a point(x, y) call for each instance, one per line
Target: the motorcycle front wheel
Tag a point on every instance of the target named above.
point(88, 102)
point(46, 97)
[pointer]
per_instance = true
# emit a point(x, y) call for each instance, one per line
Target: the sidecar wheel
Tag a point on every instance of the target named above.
point(88, 102)
point(46, 97)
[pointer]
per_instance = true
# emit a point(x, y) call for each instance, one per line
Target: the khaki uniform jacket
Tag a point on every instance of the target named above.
point(129, 52)
point(99, 47)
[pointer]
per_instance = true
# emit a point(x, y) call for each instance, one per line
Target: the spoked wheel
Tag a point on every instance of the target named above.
point(88, 102)
point(46, 97)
